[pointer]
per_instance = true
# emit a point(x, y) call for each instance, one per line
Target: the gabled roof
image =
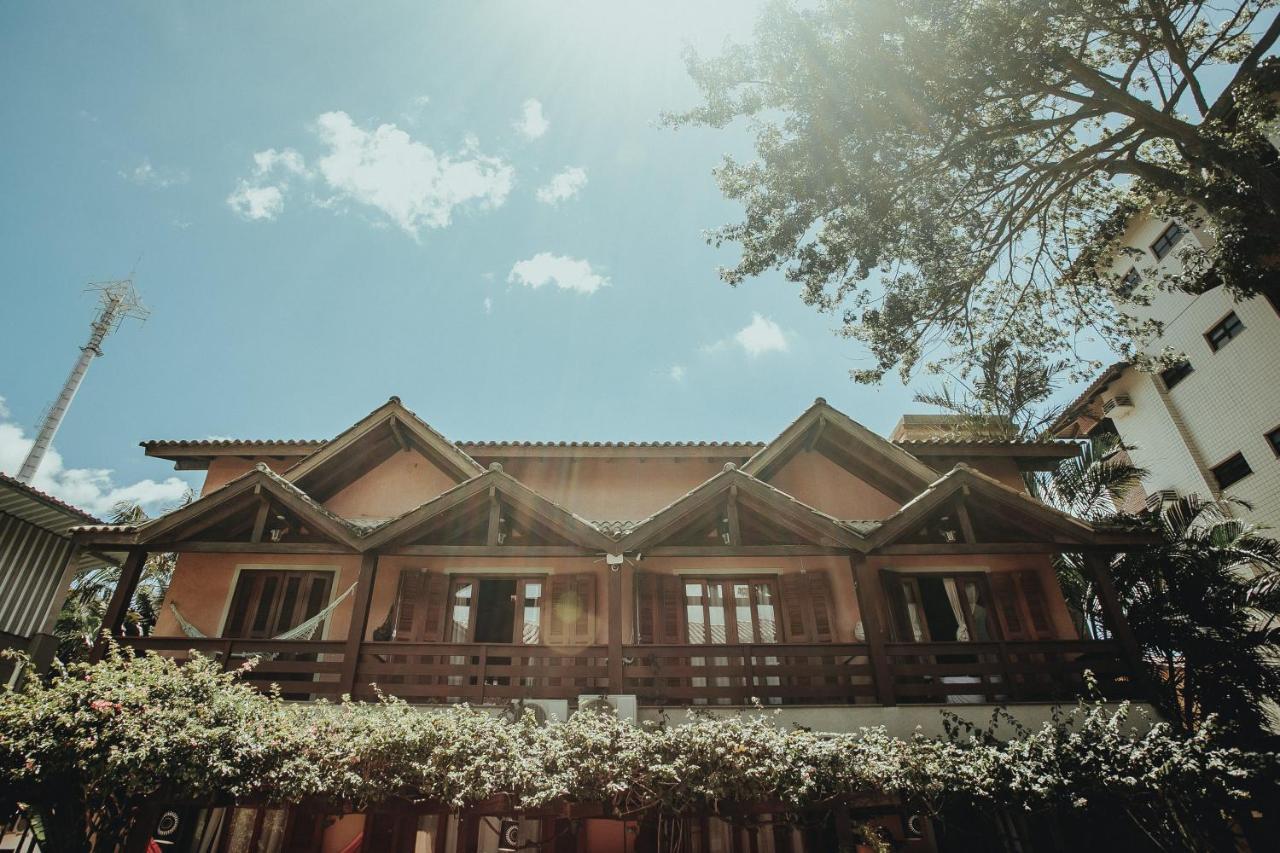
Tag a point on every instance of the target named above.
point(259, 480)
point(408, 430)
point(574, 528)
point(820, 528)
point(900, 473)
point(940, 493)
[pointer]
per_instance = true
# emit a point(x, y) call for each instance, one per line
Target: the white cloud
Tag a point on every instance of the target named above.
point(261, 195)
point(147, 175)
point(760, 336)
point(91, 489)
point(383, 168)
point(256, 202)
point(488, 305)
point(4, 408)
point(409, 182)
point(532, 123)
point(563, 186)
point(677, 373)
point(288, 160)
point(565, 272)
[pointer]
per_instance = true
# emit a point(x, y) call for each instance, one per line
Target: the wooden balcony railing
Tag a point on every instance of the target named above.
point(676, 675)
point(479, 673)
point(826, 673)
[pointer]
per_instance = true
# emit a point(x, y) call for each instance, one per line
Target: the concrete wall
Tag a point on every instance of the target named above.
point(1226, 406)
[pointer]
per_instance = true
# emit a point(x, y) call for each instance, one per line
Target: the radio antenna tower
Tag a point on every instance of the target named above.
point(116, 300)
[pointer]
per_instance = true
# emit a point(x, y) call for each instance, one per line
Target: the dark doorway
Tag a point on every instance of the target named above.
point(495, 610)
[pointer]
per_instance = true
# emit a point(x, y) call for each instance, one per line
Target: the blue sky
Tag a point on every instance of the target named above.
point(471, 206)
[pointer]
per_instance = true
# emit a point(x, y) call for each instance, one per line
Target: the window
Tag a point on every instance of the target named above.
point(1231, 471)
point(932, 607)
point(719, 611)
point(1175, 373)
point(484, 610)
point(1130, 282)
point(1273, 438)
point(266, 603)
point(1227, 328)
point(1167, 240)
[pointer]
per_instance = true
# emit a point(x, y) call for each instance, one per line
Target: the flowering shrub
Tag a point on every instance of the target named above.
point(87, 751)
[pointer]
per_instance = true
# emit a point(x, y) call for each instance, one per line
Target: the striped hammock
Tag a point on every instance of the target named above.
point(303, 631)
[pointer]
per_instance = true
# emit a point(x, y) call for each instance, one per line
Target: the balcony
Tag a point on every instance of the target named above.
point(774, 674)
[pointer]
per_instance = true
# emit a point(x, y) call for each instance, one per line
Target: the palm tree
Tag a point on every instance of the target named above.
point(82, 613)
point(1202, 601)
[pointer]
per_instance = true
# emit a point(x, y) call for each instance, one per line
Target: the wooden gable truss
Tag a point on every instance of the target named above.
point(734, 512)
point(493, 510)
point(966, 511)
point(257, 508)
point(387, 430)
point(874, 460)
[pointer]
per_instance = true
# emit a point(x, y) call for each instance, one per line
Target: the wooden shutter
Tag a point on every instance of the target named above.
point(1037, 605)
point(421, 604)
point(571, 617)
point(806, 609)
point(1005, 592)
point(435, 606)
point(819, 584)
point(900, 621)
point(659, 605)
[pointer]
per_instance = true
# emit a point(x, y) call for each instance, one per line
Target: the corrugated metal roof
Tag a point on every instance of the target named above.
point(35, 507)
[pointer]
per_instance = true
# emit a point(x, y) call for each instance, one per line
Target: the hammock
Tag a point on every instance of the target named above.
point(303, 631)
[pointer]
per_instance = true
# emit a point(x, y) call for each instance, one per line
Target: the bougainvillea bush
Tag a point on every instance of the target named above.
point(86, 752)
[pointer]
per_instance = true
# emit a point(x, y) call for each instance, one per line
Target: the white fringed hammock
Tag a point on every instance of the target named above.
point(303, 631)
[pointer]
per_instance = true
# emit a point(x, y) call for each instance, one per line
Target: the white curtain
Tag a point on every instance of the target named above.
point(953, 596)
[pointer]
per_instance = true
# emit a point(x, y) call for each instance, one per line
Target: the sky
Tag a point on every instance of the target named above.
point(471, 206)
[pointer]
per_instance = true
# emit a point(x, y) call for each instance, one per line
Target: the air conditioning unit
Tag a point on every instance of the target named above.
point(543, 710)
point(1158, 500)
point(623, 705)
point(1118, 406)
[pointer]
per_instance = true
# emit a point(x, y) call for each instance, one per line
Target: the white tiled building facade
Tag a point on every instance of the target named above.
point(1191, 428)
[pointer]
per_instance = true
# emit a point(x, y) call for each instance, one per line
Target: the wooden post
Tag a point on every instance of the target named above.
point(359, 620)
point(130, 574)
point(616, 678)
point(870, 594)
point(1100, 571)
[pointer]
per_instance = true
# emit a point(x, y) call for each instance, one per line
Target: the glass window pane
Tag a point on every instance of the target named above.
point(766, 614)
point(979, 610)
point(460, 616)
point(695, 617)
point(743, 613)
point(532, 613)
point(716, 616)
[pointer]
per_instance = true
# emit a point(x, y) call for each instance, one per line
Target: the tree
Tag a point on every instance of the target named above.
point(947, 173)
point(1005, 395)
point(80, 618)
point(1203, 602)
point(1204, 606)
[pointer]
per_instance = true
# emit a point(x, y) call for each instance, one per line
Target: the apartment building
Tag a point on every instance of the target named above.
point(1208, 424)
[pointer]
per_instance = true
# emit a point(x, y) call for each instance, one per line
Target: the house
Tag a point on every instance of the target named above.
point(36, 568)
point(843, 579)
point(1208, 424)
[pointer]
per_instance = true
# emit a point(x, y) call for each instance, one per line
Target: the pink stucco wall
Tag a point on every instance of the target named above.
point(625, 489)
point(816, 480)
point(394, 487)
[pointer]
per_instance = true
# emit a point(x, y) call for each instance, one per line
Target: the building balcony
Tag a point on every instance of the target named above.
point(674, 676)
